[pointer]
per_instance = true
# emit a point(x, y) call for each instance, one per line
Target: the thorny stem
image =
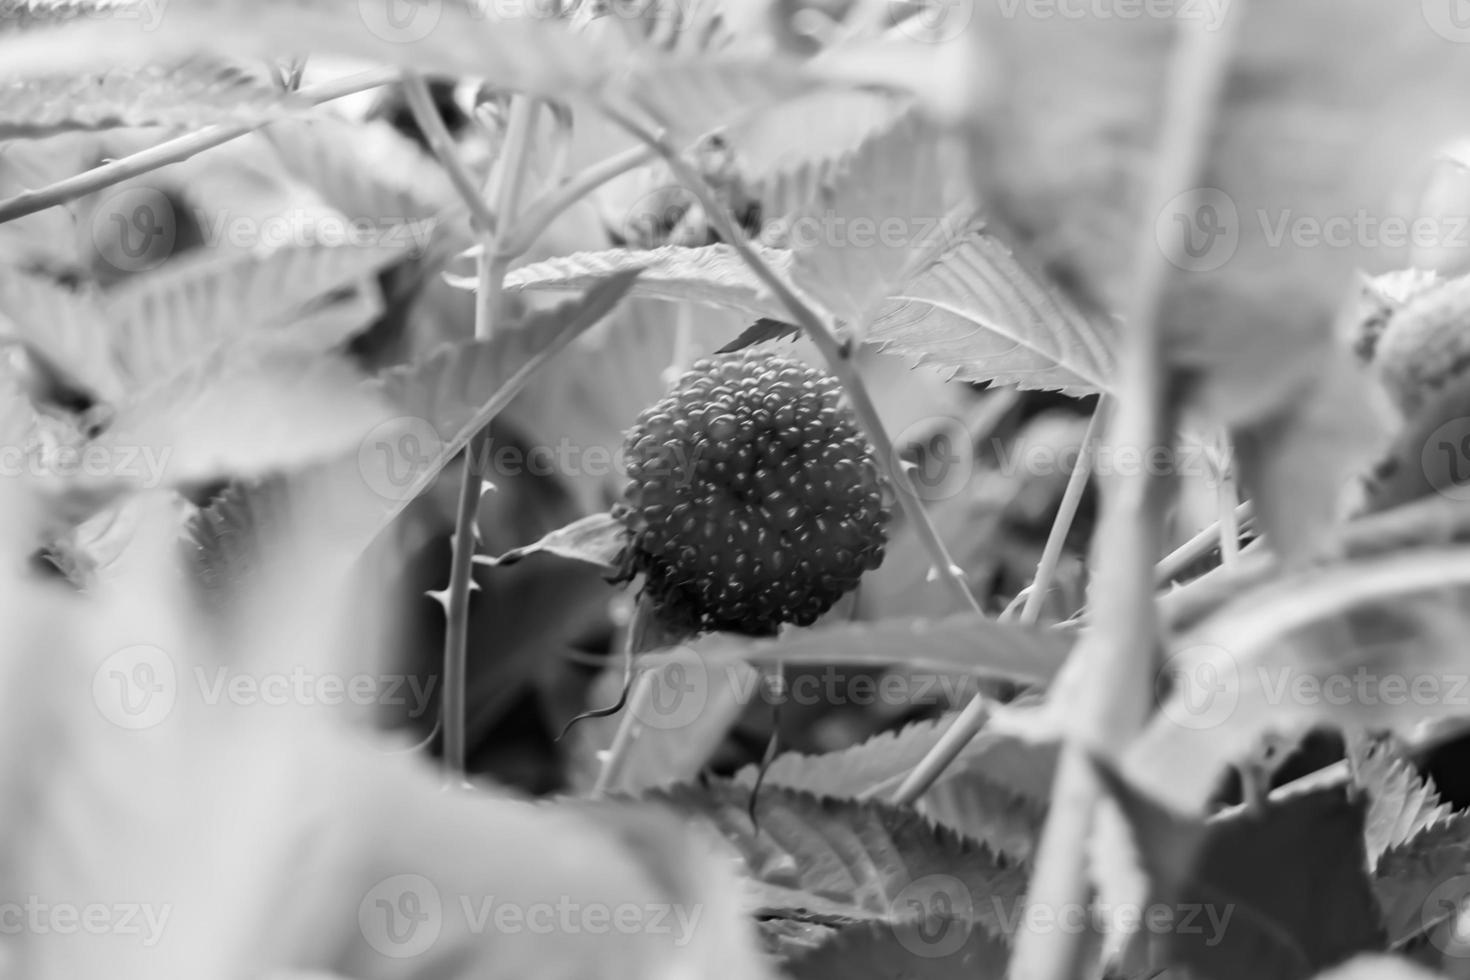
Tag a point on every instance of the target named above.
point(975, 714)
point(175, 150)
point(1120, 651)
point(838, 355)
point(489, 302)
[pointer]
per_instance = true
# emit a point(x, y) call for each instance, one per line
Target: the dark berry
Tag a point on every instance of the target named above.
point(754, 498)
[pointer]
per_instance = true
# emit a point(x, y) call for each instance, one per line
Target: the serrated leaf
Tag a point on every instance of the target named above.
point(713, 275)
point(598, 539)
point(69, 328)
point(763, 330)
point(976, 309)
point(858, 862)
point(23, 15)
point(372, 171)
point(1424, 882)
point(973, 805)
point(965, 644)
point(192, 94)
point(241, 416)
point(878, 764)
point(1401, 802)
point(445, 38)
point(981, 312)
point(786, 154)
point(885, 209)
point(204, 301)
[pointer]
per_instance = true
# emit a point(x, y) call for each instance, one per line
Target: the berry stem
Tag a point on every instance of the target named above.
point(174, 150)
point(836, 353)
point(492, 264)
point(642, 635)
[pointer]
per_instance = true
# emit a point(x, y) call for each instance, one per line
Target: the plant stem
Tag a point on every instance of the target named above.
point(553, 203)
point(175, 150)
point(421, 104)
point(641, 634)
point(1121, 649)
point(1229, 500)
point(1198, 546)
point(489, 301)
point(838, 355)
point(1051, 554)
point(977, 712)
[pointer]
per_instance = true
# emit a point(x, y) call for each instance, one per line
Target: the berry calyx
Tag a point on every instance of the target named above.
point(754, 499)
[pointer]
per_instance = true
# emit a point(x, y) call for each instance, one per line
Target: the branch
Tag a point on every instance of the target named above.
point(175, 150)
point(489, 303)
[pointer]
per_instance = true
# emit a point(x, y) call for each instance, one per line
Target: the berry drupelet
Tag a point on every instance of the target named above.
point(754, 499)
